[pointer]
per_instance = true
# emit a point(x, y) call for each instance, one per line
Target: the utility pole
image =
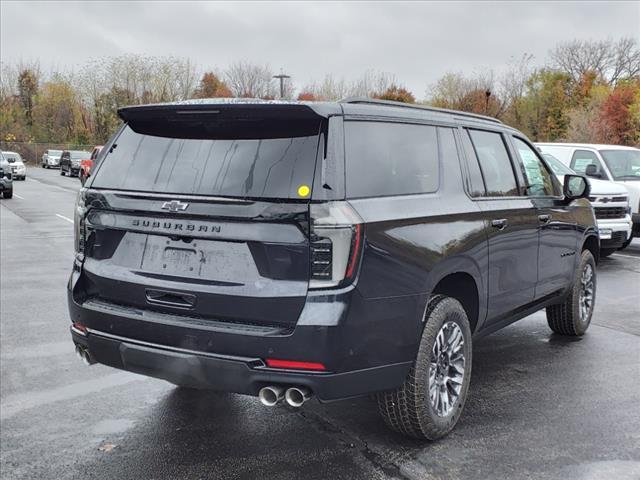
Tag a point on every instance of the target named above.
point(282, 78)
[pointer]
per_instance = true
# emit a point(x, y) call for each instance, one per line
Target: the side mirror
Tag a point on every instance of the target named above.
point(576, 186)
point(593, 171)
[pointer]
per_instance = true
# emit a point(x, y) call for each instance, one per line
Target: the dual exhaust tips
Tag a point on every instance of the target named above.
point(294, 396)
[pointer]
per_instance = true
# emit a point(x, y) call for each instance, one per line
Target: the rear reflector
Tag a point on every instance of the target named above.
point(79, 328)
point(293, 365)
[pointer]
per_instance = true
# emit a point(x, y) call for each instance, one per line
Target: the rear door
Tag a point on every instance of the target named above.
point(512, 225)
point(205, 216)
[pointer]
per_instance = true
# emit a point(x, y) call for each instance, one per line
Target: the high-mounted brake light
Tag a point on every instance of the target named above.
point(294, 365)
point(336, 243)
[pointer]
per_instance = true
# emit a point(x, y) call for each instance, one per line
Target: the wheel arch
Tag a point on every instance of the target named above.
point(463, 279)
point(591, 242)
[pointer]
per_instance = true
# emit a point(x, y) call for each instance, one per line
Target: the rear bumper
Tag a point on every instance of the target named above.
point(363, 349)
point(230, 374)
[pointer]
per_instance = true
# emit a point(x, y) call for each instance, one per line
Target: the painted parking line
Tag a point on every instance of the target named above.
point(64, 218)
point(626, 256)
point(18, 196)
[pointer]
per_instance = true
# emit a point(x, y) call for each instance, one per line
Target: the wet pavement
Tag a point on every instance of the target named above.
point(540, 406)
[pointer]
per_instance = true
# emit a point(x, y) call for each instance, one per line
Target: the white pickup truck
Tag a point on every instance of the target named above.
point(611, 206)
point(614, 163)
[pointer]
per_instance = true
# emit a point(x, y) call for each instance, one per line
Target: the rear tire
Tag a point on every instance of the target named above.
point(573, 316)
point(61, 171)
point(430, 401)
point(7, 193)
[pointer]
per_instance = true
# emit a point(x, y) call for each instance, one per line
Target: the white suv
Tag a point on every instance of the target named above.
point(605, 162)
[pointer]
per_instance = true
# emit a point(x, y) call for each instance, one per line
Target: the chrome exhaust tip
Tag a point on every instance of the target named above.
point(296, 396)
point(84, 355)
point(79, 353)
point(269, 396)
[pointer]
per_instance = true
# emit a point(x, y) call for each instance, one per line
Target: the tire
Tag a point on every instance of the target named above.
point(409, 409)
point(7, 193)
point(605, 252)
point(573, 316)
point(61, 171)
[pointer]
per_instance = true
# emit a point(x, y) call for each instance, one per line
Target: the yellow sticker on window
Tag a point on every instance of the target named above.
point(304, 190)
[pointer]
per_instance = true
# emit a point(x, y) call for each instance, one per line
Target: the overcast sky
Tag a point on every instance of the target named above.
point(418, 42)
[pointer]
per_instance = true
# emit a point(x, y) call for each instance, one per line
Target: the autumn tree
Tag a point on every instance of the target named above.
point(478, 94)
point(212, 87)
point(247, 80)
point(610, 60)
point(397, 94)
point(329, 88)
point(617, 125)
point(27, 90)
point(584, 116)
point(57, 115)
point(545, 107)
point(306, 97)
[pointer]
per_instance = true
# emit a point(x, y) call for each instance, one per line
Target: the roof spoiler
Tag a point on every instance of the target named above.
point(224, 120)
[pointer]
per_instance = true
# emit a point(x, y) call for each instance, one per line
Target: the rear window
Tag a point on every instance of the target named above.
point(248, 168)
point(390, 159)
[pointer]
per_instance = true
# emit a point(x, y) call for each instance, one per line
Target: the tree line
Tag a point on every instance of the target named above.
point(588, 92)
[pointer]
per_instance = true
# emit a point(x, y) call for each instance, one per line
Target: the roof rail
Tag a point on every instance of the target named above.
point(390, 103)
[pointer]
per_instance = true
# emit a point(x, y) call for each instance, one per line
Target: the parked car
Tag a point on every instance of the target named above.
point(86, 165)
point(70, 161)
point(610, 203)
point(614, 163)
point(51, 158)
point(6, 183)
point(18, 168)
point(327, 250)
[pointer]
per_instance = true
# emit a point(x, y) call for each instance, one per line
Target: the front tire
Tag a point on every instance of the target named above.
point(430, 401)
point(573, 316)
point(7, 193)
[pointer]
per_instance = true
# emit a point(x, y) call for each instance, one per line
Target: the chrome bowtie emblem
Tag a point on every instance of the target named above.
point(174, 206)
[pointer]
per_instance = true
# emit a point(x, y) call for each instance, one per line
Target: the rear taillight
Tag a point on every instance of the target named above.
point(336, 242)
point(79, 222)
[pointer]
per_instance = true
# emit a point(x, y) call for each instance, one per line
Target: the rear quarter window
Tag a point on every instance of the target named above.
point(384, 159)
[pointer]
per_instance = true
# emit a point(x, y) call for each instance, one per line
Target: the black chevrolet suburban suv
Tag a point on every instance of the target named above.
point(296, 250)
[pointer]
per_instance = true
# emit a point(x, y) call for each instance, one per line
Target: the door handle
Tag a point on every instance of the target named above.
point(544, 218)
point(499, 223)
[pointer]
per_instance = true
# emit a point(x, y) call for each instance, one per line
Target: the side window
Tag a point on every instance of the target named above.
point(476, 182)
point(539, 180)
point(582, 158)
point(495, 164)
point(390, 159)
point(448, 149)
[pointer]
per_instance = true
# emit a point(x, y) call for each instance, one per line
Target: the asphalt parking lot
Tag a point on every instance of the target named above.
point(541, 406)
